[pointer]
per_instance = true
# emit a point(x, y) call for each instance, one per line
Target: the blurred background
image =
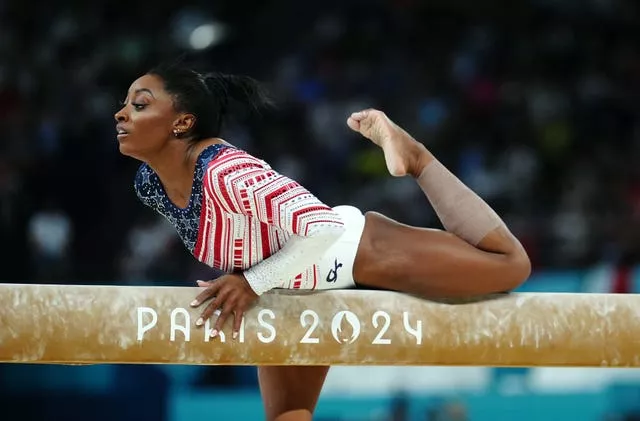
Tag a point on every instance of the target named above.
point(533, 103)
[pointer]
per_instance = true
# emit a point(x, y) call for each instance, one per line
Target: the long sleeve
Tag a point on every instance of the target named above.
point(252, 188)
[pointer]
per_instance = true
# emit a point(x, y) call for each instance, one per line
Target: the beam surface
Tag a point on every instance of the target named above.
point(116, 324)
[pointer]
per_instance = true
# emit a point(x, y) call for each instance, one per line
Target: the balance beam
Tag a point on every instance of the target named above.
point(63, 324)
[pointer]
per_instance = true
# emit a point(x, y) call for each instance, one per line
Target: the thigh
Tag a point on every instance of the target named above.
point(429, 263)
point(290, 393)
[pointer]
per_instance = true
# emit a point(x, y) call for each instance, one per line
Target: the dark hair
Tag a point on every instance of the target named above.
point(210, 96)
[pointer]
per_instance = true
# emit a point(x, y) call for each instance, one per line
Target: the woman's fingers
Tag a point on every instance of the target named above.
point(227, 309)
point(228, 298)
point(237, 321)
point(215, 304)
point(212, 289)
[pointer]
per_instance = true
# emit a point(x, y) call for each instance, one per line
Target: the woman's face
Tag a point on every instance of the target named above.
point(147, 120)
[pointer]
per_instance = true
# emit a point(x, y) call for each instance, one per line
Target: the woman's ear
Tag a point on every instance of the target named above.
point(184, 123)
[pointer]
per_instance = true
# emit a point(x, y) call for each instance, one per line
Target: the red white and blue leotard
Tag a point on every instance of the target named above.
point(244, 216)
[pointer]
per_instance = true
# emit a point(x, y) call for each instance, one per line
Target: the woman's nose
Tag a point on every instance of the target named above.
point(120, 115)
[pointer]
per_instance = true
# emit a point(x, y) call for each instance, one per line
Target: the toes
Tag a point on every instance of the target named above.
point(361, 115)
point(353, 124)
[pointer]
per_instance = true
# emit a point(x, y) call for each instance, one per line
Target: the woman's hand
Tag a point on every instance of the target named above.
point(233, 295)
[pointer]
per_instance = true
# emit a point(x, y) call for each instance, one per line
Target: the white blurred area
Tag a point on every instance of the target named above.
point(385, 380)
point(195, 30)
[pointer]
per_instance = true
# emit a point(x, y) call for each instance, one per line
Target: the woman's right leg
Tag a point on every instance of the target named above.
point(477, 254)
point(290, 393)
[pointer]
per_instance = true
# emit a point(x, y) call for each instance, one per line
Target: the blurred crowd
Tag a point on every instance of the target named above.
point(532, 103)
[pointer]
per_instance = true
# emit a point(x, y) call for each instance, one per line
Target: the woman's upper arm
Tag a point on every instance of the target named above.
point(259, 191)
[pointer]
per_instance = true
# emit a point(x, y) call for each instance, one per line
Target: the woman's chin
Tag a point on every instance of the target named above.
point(125, 149)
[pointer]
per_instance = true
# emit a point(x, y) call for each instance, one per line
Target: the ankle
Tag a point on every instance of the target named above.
point(422, 160)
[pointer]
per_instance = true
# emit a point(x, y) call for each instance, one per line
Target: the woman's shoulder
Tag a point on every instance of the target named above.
point(232, 160)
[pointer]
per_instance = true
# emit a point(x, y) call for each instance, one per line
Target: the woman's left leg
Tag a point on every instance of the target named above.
point(477, 254)
point(432, 263)
point(290, 393)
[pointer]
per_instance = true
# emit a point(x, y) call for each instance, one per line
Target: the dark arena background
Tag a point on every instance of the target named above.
point(534, 104)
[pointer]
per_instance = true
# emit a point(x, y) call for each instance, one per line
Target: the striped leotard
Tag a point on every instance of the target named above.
point(244, 216)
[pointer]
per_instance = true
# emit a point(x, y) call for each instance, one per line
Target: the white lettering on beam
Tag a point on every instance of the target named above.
point(315, 321)
point(337, 324)
point(142, 327)
point(185, 329)
point(269, 327)
point(417, 332)
point(345, 326)
point(379, 340)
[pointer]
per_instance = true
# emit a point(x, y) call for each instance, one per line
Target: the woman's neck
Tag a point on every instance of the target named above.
point(175, 166)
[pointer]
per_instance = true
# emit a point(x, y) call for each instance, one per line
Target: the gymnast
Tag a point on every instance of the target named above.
point(264, 230)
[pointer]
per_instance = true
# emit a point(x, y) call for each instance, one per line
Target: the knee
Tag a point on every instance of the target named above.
point(518, 270)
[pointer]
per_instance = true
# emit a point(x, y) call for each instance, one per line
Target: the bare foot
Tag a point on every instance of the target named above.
point(403, 154)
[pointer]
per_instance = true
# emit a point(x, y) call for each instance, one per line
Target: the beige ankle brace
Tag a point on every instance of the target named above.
point(461, 211)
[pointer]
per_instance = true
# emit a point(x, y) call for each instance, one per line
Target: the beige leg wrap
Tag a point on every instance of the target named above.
point(461, 211)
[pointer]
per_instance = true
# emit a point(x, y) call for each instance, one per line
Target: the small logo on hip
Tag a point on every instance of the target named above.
point(332, 276)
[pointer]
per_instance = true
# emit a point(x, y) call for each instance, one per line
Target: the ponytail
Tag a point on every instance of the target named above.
point(236, 94)
point(212, 97)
